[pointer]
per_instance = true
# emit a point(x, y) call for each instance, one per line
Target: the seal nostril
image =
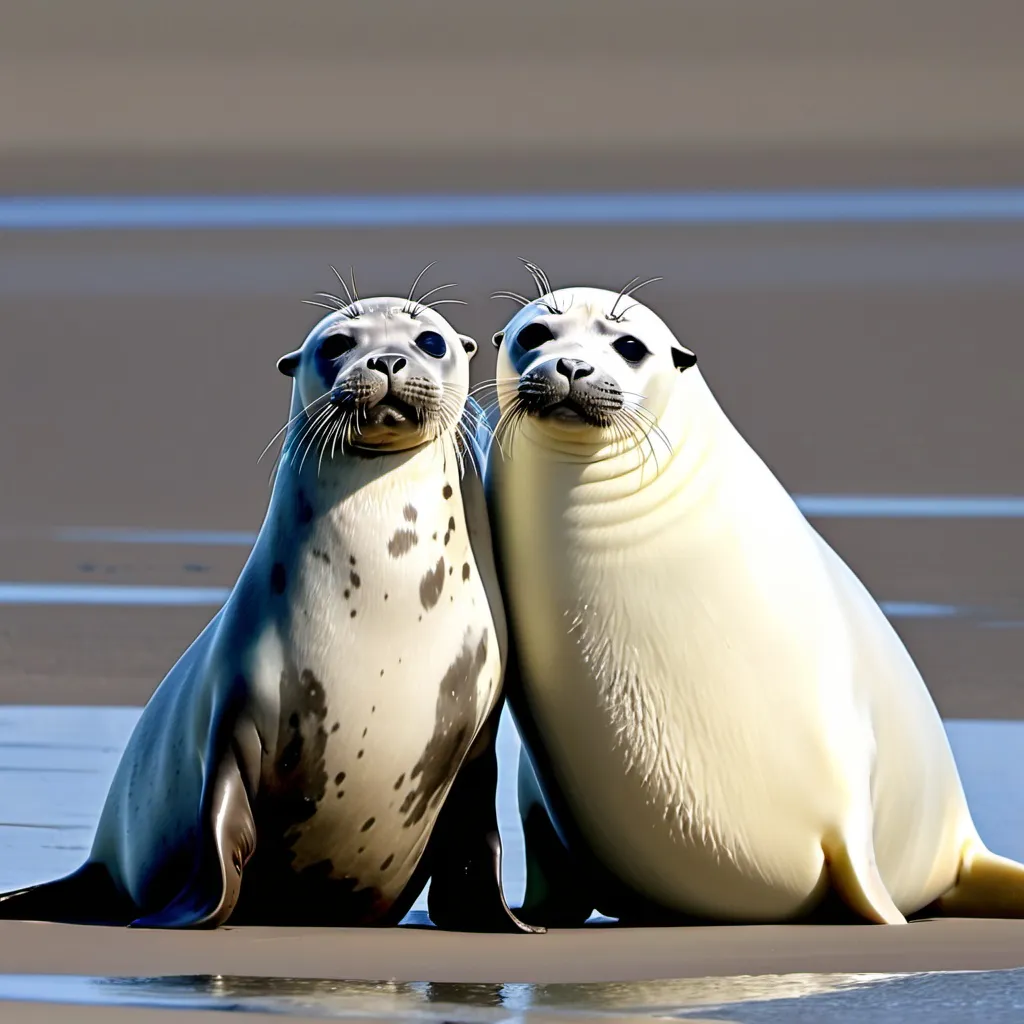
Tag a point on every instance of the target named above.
point(573, 369)
point(378, 364)
point(398, 364)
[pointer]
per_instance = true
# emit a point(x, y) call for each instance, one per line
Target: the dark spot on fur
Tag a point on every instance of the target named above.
point(368, 824)
point(410, 514)
point(399, 781)
point(304, 509)
point(386, 863)
point(434, 537)
point(385, 597)
point(431, 585)
point(382, 672)
point(300, 782)
point(347, 593)
point(353, 578)
point(360, 850)
point(360, 754)
point(366, 730)
point(278, 578)
point(374, 708)
point(446, 491)
point(336, 727)
point(451, 569)
point(465, 570)
point(322, 555)
point(455, 725)
point(401, 542)
point(341, 793)
point(339, 778)
point(351, 559)
point(352, 614)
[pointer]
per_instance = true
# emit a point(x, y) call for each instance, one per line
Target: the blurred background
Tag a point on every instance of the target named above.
point(871, 347)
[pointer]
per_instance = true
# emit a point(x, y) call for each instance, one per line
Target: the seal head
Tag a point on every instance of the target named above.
point(583, 365)
point(384, 374)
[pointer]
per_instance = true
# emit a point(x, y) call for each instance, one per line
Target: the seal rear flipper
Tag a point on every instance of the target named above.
point(227, 841)
point(854, 876)
point(466, 892)
point(87, 896)
point(988, 885)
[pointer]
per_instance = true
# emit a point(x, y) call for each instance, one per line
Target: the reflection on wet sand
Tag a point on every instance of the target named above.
point(934, 997)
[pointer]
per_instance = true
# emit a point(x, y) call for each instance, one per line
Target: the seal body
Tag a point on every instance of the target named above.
point(327, 742)
point(723, 722)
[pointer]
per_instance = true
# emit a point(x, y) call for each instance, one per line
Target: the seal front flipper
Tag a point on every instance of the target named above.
point(988, 885)
point(854, 875)
point(466, 892)
point(555, 892)
point(87, 896)
point(227, 841)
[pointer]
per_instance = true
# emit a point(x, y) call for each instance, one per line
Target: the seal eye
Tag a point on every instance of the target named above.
point(533, 335)
point(633, 350)
point(432, 343)
point(334, 346)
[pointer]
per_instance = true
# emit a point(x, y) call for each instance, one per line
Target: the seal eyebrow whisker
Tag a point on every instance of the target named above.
point(341, 281)
point(433, 291)
point(542, 283)
point(627, 292)
point(339, 303)
point(410, 305)
point(610, 315)
point(514, 296)
point(441, 302)
point(321, 305)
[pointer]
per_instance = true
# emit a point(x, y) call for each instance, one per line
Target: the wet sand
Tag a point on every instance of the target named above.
point(590, 954)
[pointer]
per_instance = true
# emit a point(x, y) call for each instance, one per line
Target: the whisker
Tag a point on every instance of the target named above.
point(306, 409)
point(411, 305)
point(514, 296)
point(343, 285)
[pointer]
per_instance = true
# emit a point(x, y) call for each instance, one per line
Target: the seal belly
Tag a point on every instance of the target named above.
point(399, 671)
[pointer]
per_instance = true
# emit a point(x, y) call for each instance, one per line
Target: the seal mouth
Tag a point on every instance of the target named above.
point(391, 411)
point(570, 411)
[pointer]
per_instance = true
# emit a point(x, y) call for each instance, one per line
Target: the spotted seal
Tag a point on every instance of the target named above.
point(327, 743)
point(722, 721)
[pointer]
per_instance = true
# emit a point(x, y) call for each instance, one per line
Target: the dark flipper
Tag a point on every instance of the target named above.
point(556, 890)
point(226, 842)
point(466, 892)
point(87, 896)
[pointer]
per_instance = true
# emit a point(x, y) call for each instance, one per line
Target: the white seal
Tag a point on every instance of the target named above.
point(328, 740)
point(723, 722)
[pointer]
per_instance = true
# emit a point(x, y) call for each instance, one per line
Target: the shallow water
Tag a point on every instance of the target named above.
point(56, 764)
point(937, 998)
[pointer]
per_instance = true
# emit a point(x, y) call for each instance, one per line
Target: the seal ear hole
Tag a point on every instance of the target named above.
point(683, 359)
point(334, 346)
point(534, 335)
point(497, 339)
point(289, 364)
point(468, 344)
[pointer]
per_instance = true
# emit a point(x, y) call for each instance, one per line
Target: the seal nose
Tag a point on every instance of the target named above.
point(388, 365)
point(573, 369)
